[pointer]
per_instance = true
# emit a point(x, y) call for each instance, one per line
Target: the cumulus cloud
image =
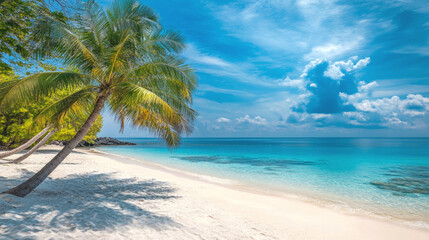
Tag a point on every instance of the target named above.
point(336, 98)
point(391, 112)
point(328, 83)
point(337, 69)
point(412, 105)
point(334, 72)
point(367, 87)
point(223, 120)
point(256, 120)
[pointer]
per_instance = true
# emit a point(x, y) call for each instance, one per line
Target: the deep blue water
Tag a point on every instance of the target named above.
point(385, 176)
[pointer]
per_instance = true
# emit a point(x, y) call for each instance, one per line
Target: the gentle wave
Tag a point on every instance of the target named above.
point(387, 177)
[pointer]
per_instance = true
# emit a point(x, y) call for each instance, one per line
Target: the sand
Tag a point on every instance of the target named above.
point(95, 196)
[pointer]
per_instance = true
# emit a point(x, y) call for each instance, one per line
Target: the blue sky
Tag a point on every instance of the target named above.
point(280, 68)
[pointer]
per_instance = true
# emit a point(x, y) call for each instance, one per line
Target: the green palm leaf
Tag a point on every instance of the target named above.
point(37, 85)
point(121, 55)
point(73, 106)
point(124, 59)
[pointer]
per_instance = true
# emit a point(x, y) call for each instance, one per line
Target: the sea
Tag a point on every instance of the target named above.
point(382, 177)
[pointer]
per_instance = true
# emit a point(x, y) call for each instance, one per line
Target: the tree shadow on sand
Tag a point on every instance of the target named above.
point(84, 202)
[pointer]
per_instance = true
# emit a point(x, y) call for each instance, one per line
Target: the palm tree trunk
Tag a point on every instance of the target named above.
point(25, 145)
point(36, 147)
point(28, 186)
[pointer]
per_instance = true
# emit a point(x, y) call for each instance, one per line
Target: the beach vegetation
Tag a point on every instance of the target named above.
point(22, 124)
point(17, 19)
point(120, 59)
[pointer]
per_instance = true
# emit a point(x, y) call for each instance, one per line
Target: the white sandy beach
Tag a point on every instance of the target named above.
point(93, 196)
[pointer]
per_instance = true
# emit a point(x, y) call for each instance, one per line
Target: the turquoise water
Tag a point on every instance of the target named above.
point(383, 176)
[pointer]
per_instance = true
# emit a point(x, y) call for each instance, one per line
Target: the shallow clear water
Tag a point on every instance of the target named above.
point(385, 176)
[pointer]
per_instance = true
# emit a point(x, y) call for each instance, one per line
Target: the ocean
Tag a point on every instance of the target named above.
point(386, 177)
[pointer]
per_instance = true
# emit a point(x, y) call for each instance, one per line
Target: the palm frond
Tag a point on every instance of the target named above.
point(38, 85)
point(66, 42)
point(170, 68)
point(168, 118)
point(157, 124)
point(95, 23)
point(131, 11)
point(162, 41)
point(127, 95)
point(122, 53)
point(118, 57)
point(75, 105)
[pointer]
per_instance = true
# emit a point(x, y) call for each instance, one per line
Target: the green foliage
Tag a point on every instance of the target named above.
point(18, 122)
point(17, 18)
point(69, 129)
point(121, 54)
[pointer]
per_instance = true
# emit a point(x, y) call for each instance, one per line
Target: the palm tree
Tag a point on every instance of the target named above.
point(24, 145)
point(41, 119)
point(36, 147)
point(45, 115)
point(121, 58)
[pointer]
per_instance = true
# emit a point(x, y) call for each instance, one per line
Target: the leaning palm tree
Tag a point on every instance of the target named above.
point(24, 145)
point(55, 128)
point(35, 147)
point(73, 113)
point(123, 59)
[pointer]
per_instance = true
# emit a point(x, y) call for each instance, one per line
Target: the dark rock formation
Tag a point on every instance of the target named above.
point(101, 141)
point(110, 141)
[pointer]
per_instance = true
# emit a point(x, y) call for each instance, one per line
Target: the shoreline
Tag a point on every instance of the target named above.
point(319, 200)
point(202, 207)
point(235, 185)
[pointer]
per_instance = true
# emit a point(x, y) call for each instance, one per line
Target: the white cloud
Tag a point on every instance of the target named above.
point(310, 66)
point(223, 120)
point(293, 83)
point(350, 66)
point(394, 110)
point(362, 63)
point(415, 105)
point(256, 120)
point(304, 31)
point(336, 70)
point(395, 121)
point(382, 106)
point(422, 50)
point(367, 87)
point(331, 50)
point(365, 91)
point(362, 109)
point(359, 116)
point(320, 115)
point(409, 113)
